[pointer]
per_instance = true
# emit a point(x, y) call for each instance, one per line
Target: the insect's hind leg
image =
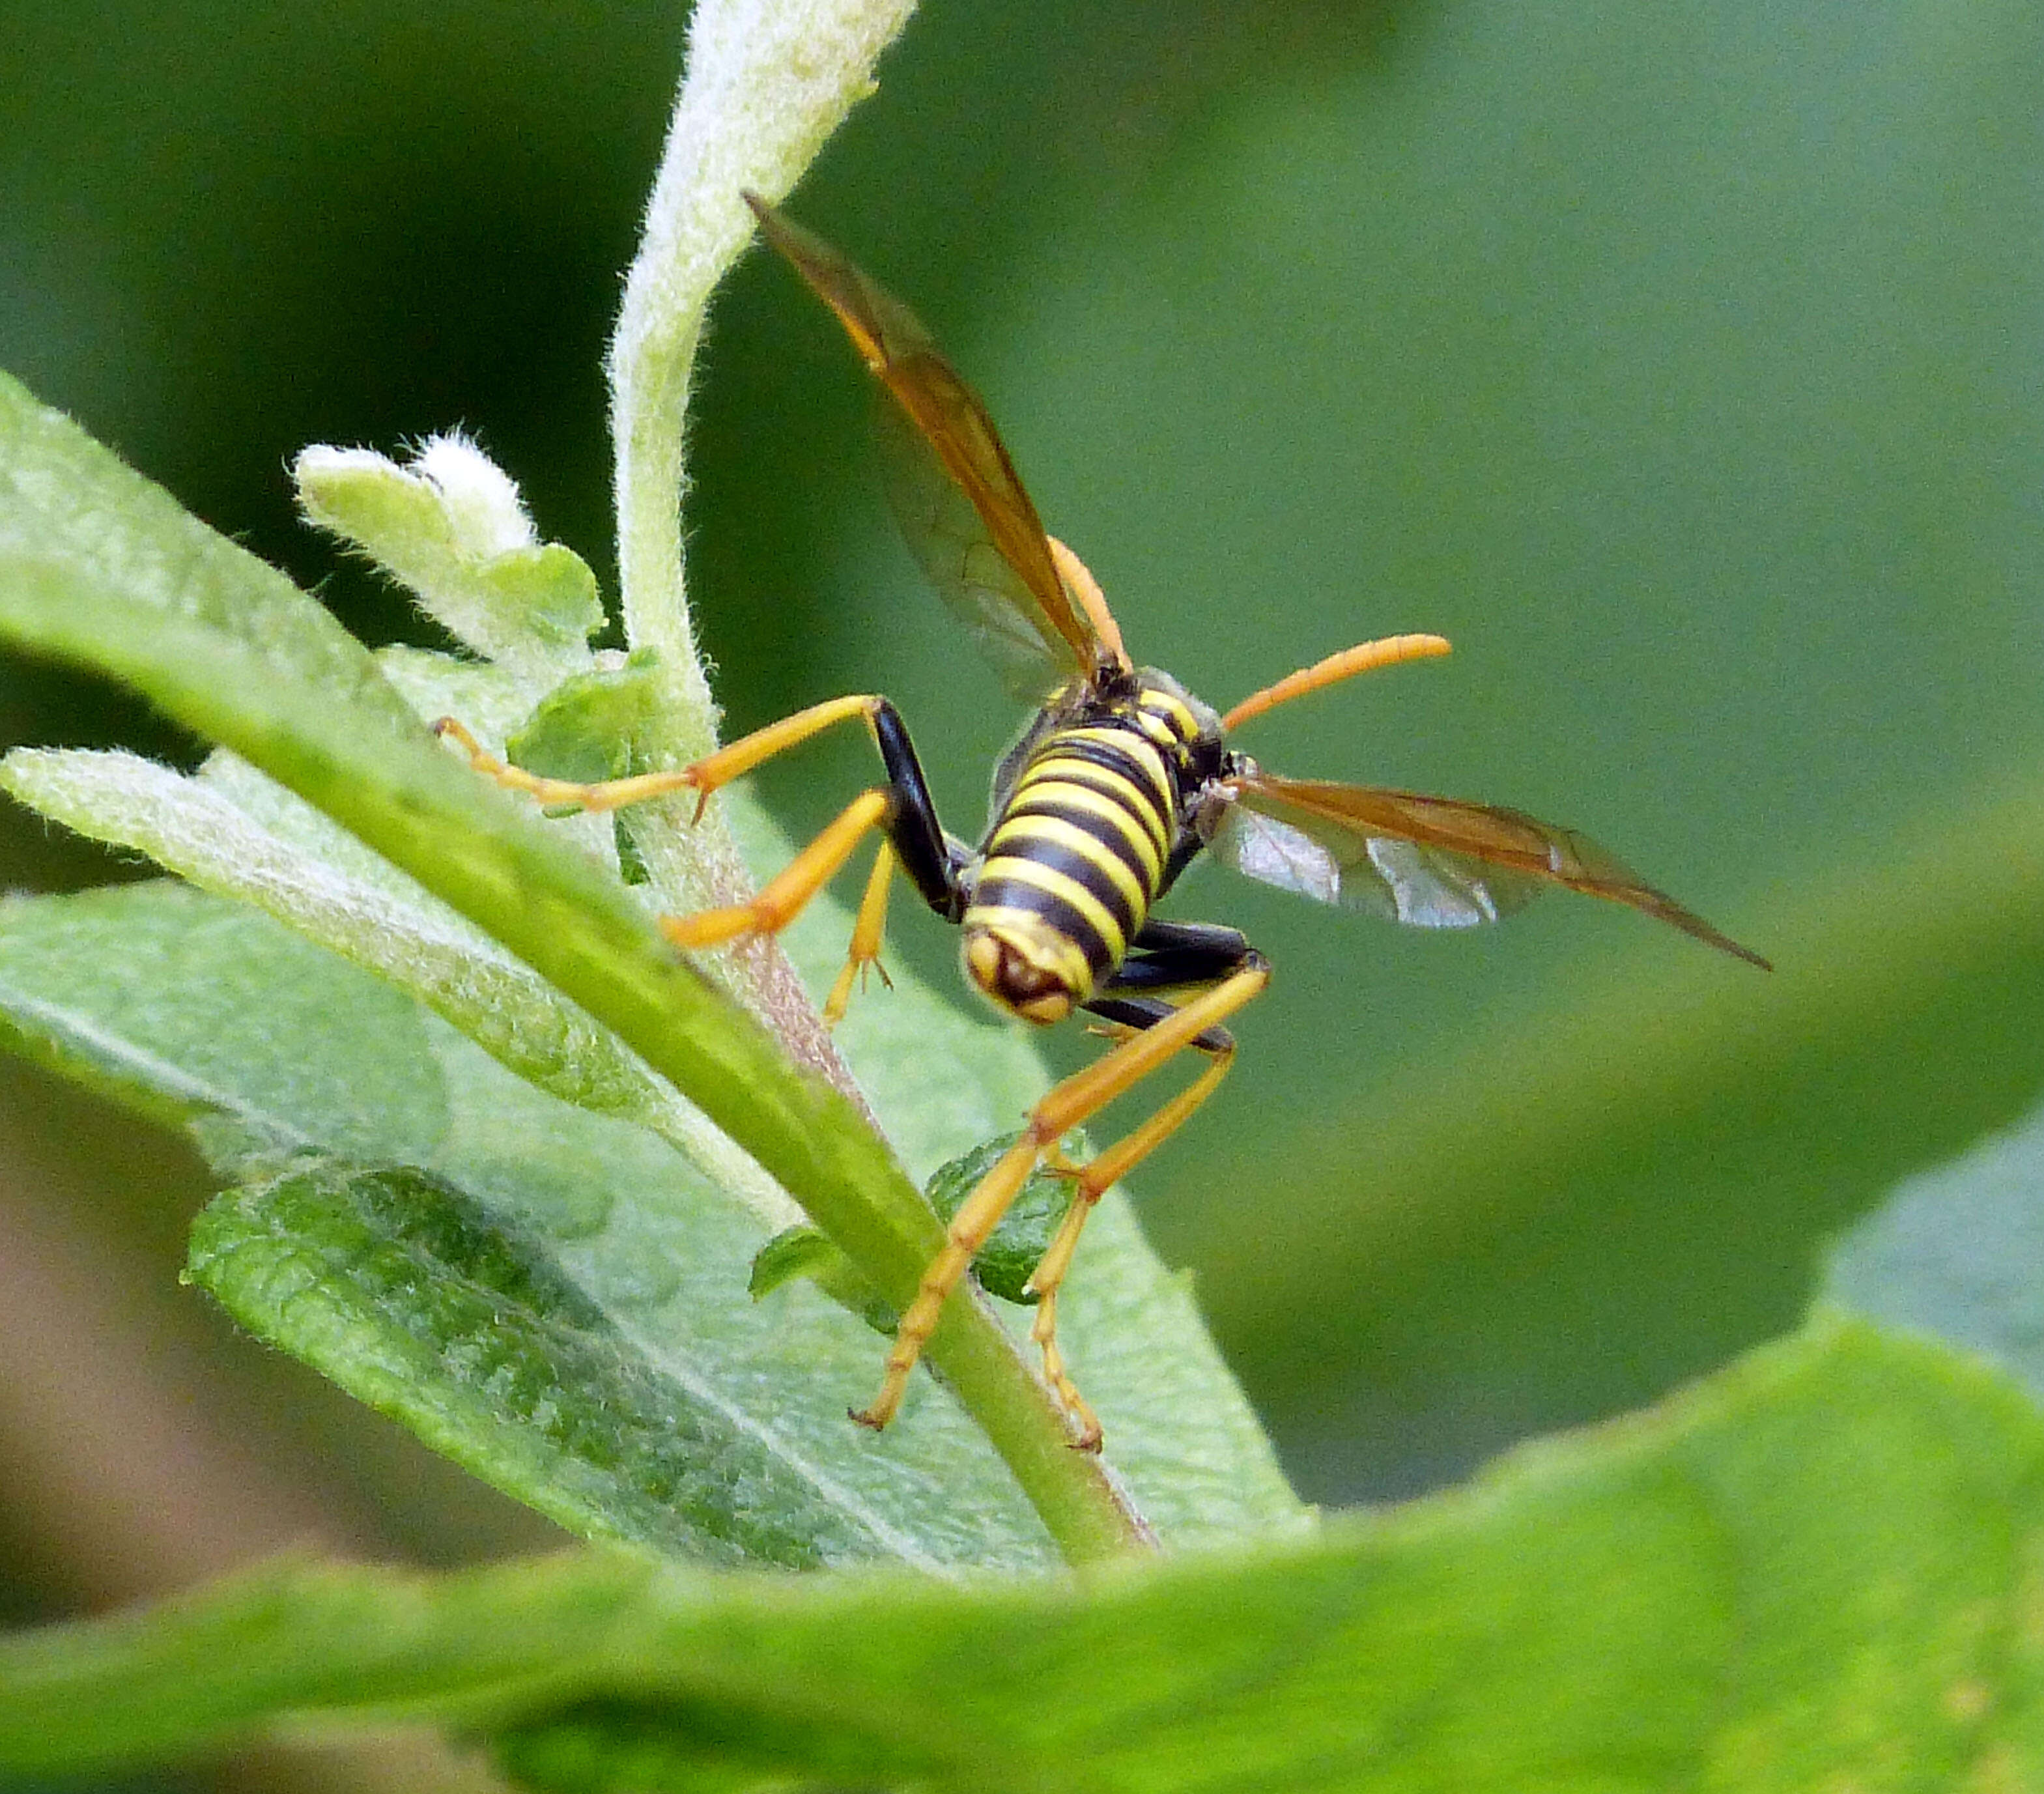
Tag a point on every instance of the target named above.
point(1091, 1180)
point(1166, 954)
point(1159, 1030)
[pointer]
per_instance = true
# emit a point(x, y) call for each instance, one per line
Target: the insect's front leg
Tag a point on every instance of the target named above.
point(701, 777)
point(916, 841)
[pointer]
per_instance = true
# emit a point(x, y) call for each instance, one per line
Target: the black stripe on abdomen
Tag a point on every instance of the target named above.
point(1080, 852)
point(999, 896)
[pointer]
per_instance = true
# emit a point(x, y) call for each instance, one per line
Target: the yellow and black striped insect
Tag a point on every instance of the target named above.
point(1120, 780)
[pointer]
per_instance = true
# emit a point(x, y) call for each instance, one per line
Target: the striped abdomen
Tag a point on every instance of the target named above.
point(1073, 864)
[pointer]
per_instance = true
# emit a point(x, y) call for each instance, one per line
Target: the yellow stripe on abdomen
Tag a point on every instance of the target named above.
point(1076, 860)
point(1013, 882)
point(1082, 853)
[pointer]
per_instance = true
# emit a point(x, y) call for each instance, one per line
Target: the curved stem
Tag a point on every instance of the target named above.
point(764, 85)
point(766, 82)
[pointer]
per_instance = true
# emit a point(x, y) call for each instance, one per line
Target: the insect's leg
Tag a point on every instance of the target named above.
point(1090, 1182)
point(782, 898)
point(1066, 1105)
point(901, 809)
point(917, 836)
point(1164, 956)
point(867, 932)
point(1165, 953)
point(915, 841)
point(706, 775)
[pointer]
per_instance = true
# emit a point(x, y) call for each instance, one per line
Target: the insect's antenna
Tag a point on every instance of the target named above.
point(1365, 657)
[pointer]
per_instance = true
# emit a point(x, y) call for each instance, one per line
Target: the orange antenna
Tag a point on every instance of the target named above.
point(1080, 583)
point(1365, 657)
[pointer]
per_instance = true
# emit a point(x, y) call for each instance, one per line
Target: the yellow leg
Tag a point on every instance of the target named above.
point(612, 794)
point(867, 932)
point(714, 771)
point(781, 899)
point(1063, 1108)
point(710, 774)
point(1090, 1182)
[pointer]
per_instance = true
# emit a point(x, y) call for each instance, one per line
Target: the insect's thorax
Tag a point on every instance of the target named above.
point(1090, 807)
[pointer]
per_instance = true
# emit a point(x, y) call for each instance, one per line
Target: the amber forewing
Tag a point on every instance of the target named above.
point(960, 452)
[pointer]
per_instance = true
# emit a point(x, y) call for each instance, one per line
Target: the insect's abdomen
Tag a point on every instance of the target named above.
point(1070, 869)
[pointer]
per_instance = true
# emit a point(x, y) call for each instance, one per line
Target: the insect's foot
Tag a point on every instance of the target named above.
point(1086, 1434)
point(852, 977)
point(448, 729)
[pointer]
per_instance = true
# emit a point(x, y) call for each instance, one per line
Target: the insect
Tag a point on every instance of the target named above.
point(1120, 780)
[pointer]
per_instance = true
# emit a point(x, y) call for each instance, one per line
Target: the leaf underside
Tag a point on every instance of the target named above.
point(716, 1426)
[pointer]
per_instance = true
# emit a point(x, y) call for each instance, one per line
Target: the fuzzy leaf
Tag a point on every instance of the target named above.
point(558, 1301)
point(376, 772)
point(270, 1047)
point(1685, 1601)
point(452, 527)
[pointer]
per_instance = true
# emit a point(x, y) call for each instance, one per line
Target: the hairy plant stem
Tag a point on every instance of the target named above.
point(766, 83)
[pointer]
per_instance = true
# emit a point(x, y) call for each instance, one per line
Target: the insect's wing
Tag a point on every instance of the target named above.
point(1299, 836)
point(968, 570)
point(953, 489)
point(1430, 862)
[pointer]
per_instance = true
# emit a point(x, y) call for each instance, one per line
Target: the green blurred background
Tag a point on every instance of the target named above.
point(1680, 360)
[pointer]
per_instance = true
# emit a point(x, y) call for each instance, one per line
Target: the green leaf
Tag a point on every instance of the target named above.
point(1683, 1601)
point(113, 978)
point(1002, 1267)
point(792, 1254)
point(452, 527)
point(275, 1049)
point(280, 1050)
point(591, 728)
point(1006, 1262)
point(588, 727)
point(373, 769)
point(526, 1354)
